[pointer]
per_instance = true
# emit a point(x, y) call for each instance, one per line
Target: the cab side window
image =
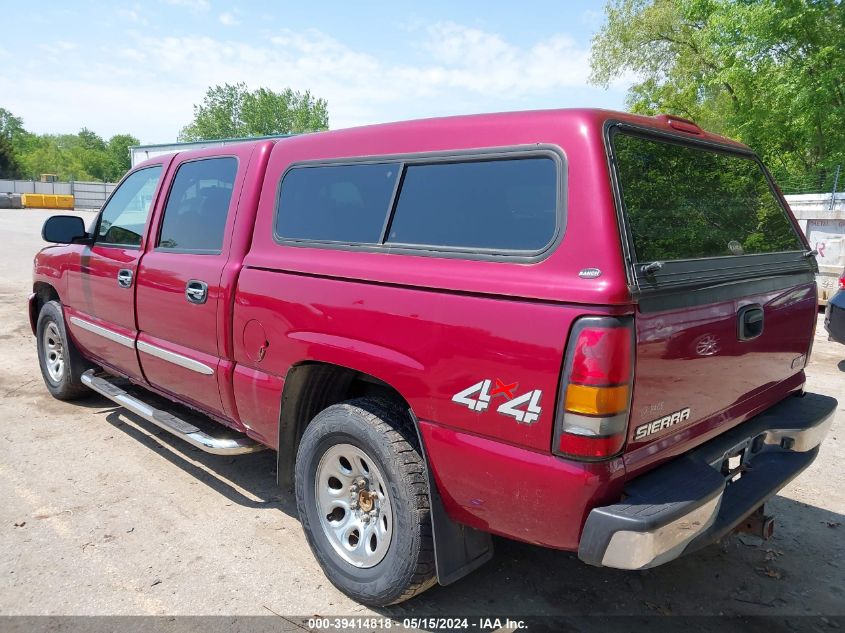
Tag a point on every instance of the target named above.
point(198, 206)
point(125, 216)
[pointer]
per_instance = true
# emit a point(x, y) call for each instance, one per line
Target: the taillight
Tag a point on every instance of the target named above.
point(842, 282)
point(595, 396)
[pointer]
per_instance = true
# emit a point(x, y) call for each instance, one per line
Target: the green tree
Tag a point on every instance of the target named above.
point(11, 130)
point(230, 111)
point(9, 167)
point(11, 126)
point(72, 156)
point(770, 73)
point(117, 150)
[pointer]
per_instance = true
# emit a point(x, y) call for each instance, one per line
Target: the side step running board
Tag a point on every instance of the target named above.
point(169, 422)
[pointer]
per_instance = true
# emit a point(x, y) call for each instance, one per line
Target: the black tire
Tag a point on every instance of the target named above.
point(385, 433)
point(67, 385)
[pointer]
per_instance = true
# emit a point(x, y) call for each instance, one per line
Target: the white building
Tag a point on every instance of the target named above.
point(822, 218)
point(140, 153)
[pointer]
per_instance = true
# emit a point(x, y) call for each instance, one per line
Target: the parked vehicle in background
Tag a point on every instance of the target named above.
point(582, 329)
point(834, 318)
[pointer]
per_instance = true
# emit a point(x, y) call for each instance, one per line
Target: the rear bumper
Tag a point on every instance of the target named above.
point(689, 502)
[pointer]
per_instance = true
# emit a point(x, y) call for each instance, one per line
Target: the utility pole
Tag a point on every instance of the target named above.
point(835, 183)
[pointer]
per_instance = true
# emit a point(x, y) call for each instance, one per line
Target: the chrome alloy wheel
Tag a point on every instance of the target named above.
point(353, 505)
point(54, 356)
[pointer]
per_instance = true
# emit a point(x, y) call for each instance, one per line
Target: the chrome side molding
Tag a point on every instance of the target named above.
point(169, 422)
point(141, 346)
point(126, 341)
point(176, 359)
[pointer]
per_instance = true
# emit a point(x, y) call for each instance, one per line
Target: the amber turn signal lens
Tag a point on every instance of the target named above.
point(589, 400)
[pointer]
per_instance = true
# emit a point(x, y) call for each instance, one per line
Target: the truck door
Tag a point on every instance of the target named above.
point(100, 306)
point(182, 314)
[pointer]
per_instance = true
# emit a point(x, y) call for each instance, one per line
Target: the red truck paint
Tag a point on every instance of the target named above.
point(430, 327)
point(666, 350)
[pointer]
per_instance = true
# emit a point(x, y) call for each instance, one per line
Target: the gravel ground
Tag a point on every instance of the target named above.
point(103, 514)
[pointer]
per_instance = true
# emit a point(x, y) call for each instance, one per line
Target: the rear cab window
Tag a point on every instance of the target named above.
point(198, 206)
point(685, 202)
point(503, 206)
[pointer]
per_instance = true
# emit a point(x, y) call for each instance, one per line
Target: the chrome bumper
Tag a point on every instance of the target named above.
point(696, 499)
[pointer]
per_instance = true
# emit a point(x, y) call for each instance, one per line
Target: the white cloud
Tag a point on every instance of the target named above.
point(592, 18)
point(149, 85)
point(193, 5)
point(228, 19)
point(485, 63)
point(133, 14)
point(132, 54)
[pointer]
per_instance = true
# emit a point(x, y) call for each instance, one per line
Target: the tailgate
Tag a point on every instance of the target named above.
point(726, 293)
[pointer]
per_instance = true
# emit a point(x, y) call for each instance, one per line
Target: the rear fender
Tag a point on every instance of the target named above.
point(458, 549)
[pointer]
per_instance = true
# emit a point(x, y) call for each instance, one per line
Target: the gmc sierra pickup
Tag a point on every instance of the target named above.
point(582, 329)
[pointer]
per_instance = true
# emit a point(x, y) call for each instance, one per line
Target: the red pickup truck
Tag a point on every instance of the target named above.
point(577, 328)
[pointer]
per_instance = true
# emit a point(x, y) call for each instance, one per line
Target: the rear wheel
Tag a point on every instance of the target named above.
point(363, 501)
point(61, 363)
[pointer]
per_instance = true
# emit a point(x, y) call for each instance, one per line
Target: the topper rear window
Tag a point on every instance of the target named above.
point(685, 202)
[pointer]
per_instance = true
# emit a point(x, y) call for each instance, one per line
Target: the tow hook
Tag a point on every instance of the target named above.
point(758, 523)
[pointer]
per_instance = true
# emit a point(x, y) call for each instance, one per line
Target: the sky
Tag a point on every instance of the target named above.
point(138, 68)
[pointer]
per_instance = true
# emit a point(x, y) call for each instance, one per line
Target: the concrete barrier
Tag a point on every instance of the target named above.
point(47, 201)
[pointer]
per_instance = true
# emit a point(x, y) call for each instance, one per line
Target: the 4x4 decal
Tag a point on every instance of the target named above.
point(511, 407)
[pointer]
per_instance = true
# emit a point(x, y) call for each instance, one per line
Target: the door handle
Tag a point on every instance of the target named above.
point(196, 291)
point(124, 278)
point(750, 323)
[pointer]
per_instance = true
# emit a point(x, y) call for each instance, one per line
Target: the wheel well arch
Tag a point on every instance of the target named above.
point(312, 386)
point(45, 292)
point(42, 292)
point(309, 388)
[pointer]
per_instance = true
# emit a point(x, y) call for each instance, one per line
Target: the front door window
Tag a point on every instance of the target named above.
point(125, 216)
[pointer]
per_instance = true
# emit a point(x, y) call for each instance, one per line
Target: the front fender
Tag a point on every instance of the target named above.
point(50, 267)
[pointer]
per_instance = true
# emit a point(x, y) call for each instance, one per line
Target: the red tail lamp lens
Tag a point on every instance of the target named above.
point(592, 421)
point(602, 356)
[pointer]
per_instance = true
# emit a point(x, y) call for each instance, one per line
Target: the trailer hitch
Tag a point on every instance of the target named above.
point(758, 523)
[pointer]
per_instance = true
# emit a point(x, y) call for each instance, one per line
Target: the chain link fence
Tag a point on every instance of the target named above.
point(829, 181)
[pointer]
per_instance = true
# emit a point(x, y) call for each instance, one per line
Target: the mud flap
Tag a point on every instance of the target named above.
point(458, 549)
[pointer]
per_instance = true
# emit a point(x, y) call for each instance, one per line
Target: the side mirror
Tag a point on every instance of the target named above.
point(63, 229)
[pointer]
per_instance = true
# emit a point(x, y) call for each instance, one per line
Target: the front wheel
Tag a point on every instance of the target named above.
point(61, 363)
point(363, 500)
